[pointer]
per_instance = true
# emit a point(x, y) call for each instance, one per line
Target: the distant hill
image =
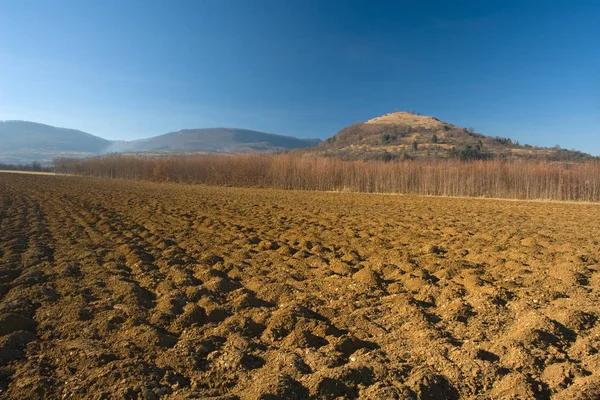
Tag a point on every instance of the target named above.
point(23, 142)
point(214, 140)
point(395, 136)
point(404, 135)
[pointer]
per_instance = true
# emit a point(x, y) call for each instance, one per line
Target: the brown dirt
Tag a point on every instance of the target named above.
point(120, 289)
point(4, 171)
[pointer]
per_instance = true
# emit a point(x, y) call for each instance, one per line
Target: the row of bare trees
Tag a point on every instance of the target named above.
point(501, 179)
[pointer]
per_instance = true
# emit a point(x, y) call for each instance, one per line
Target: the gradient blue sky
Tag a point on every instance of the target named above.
point(125, 69)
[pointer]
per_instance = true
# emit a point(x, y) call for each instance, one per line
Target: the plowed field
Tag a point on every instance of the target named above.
point(120, 289)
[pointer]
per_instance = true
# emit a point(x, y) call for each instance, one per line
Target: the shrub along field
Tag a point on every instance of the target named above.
point(491, 178)
point(132, 289)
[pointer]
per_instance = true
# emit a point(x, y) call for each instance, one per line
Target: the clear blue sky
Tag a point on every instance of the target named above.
point(125, 69)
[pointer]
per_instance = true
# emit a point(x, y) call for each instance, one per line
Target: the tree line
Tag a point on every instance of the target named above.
point(475, 178)
point(34, 166)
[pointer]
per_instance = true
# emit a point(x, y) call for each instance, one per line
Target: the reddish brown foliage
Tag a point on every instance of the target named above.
point(501, 179)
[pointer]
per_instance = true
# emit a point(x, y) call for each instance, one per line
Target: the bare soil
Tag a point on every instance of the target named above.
point(3, 171)
point(121, 289)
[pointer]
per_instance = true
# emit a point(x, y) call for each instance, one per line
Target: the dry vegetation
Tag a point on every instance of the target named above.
point(408, 119)
point(494, 179)
point(402, 136)
point(141, 290)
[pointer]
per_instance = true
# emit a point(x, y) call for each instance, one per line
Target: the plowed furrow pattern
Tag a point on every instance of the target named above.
point(114, 289)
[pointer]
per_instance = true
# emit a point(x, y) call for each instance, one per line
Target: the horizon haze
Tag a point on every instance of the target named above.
point(126, 71)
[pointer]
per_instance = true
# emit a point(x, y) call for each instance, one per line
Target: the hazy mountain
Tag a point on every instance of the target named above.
point(403, 135)
point(398, 135)
point(215, 140)
point(24, 142)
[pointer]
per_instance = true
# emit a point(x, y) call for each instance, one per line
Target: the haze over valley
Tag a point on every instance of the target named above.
point(393, 136)
point(24, 142)
point(299, 199)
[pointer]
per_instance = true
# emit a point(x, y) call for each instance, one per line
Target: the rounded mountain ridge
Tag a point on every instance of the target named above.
point(407, 118)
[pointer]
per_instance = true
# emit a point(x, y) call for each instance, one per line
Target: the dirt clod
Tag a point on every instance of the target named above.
point(113, 289)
